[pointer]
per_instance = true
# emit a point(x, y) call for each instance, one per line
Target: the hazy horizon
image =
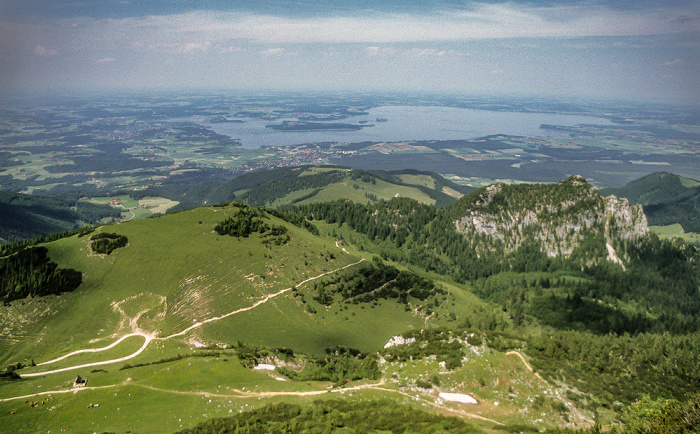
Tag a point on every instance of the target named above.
point(620, 50)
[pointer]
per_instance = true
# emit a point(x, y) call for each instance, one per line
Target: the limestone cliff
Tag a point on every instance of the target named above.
point(557, 217)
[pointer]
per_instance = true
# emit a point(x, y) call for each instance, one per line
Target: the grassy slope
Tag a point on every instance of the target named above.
point(176, 269)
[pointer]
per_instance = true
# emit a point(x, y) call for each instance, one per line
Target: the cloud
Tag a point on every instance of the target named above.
point(175, 47)
point(272, 51)
point(199, 31)
point(221, 49)
point(427, 52)
point(482, 21)
point(372, 51)
point(418, 52)
point(40, 50)
point(106, 60)
point(675, 62)
point(685, 19)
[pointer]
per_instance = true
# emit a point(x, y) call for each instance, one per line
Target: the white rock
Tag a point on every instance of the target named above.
point(399, 340)
point(265, 366)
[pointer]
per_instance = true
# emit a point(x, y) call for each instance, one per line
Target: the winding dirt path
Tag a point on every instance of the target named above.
point(240, 394)
point(257, 303)
point(94, 350)
point(150, 337)
point(374, 386)
point(56, 392)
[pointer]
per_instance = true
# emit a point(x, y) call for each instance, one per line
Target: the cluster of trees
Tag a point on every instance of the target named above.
point(251, 220)
point(650, 416)
point(339, 365)
point(438, 342)
point(374, 281)
point(29, 272)
point(335, 415)
point(250, 355)
point(106, 242)
point(294, 218)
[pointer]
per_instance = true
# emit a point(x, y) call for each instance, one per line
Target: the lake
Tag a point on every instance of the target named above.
point(406, 123)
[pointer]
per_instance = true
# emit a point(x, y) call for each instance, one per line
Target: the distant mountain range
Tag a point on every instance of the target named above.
point(666, 198)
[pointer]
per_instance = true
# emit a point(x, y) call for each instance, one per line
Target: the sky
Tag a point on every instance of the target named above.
point(612, 49)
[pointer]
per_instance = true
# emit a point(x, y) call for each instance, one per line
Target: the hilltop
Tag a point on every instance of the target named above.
point(530, 299)
point(308, 184)
point(558, 217)
point(667, 199)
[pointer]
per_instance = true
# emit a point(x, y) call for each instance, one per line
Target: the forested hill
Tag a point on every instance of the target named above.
point(528, 224)
point(305, 184)
point(28, 216)
point(594, 249)
point(556, 218)
point(667, 199)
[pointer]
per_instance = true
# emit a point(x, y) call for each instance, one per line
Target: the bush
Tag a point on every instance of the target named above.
point(106, 243)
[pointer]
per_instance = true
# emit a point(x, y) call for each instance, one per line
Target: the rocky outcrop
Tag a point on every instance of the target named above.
point(399, 340)
point(557, 217)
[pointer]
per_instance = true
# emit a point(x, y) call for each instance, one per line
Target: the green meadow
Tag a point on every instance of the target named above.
point(676, 231)
point(185, 286)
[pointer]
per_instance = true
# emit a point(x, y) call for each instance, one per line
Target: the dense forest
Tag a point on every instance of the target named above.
point(29, 272)
point(28, 216)
point(374, 281)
